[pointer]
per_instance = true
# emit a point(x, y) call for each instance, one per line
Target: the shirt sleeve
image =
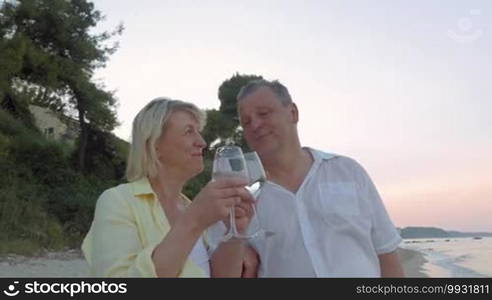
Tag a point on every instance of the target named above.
point(214, 235)
point(384, 234)
point(112, 247)
point(200, 257)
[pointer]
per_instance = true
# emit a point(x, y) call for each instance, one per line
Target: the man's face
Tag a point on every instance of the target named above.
point(268, 124)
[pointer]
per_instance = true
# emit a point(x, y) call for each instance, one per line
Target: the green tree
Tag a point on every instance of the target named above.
point(222, 127)
point(223, 124)
point(49, 48)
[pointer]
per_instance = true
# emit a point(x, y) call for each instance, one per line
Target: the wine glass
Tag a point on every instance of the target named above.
point(229, 162)
point(257, 178)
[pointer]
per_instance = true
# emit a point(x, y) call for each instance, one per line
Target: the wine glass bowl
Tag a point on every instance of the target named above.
point(229, 162)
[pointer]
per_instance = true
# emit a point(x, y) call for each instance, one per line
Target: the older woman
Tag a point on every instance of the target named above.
point(147, 227)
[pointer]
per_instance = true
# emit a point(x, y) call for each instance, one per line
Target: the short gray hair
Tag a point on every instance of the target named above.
point(280, 91)
point(148, 126)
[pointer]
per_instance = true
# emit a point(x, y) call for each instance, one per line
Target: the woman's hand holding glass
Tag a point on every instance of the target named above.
point(230, 162)
point(217, 198)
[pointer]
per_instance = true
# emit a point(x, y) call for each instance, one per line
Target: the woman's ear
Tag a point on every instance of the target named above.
point(155, 146)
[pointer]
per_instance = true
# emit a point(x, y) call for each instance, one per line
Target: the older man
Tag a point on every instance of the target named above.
point(326, 213)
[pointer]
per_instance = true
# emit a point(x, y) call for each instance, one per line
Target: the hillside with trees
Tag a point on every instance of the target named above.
point(48, 55)
point(48, 186)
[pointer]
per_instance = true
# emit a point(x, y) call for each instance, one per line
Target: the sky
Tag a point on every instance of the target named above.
point(403, 87)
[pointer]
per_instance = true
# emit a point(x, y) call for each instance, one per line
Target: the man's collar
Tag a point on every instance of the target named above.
point(320, 155)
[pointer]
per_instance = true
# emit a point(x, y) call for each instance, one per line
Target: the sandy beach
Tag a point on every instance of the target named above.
point(68, 263)
point(71, 264)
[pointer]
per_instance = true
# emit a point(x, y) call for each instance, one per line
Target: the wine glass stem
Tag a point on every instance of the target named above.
point(232, 221)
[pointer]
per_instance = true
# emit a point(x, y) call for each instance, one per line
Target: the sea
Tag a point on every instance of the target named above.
point(454, 257)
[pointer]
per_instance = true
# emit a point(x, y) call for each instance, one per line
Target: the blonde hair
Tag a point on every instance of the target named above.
point(148, 126)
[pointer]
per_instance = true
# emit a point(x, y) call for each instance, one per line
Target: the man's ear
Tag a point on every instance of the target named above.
point(294, 112)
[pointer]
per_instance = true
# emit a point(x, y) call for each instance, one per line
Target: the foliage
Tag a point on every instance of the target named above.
point(44, 202)
point(222, 127)
point(48, 51)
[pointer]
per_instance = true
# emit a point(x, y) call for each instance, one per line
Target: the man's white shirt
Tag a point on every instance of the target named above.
point(335, 225)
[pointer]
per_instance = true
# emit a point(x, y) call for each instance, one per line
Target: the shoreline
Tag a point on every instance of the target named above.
point(71, 264)
point(454, 257)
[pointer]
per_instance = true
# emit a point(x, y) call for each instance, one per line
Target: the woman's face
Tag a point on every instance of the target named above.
point(180, 147)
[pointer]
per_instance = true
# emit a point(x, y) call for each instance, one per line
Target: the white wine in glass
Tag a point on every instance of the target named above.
point(228, 163)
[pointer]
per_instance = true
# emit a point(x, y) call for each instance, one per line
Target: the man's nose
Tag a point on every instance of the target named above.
point(255, 124)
